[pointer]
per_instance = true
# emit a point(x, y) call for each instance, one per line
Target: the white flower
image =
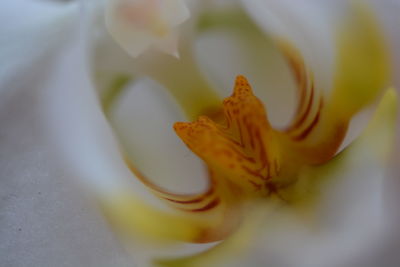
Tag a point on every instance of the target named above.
point(142, 112)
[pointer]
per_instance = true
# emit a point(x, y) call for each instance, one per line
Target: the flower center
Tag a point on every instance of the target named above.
point(242, 147)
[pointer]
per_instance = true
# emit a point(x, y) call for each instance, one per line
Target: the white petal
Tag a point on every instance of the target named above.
point(138, 24)
point(223, 54)
point(175, 12)
point(169, 45)
point(143, 120)
point(30, 31)
point(45, 219)
point(387, 11)
point(307, 24)
point(83, 140)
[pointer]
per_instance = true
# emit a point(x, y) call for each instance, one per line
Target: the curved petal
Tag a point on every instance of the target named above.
point(225, 49)
point(181, 77)
point(183, 80)
point(361, 72)
point(311, 28)
point(73, 101)
point(362, 68)
point(86, 143)
point(49, 214)
point(307, 25)
point(143, 119)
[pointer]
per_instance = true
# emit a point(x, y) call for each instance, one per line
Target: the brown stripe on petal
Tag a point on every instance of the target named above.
point(306, 113)
point(197, 199)
point(181, 201)
point(303, 135)
point(253, 172)
point(304, 81)
point(257, 187)
point(214, 203)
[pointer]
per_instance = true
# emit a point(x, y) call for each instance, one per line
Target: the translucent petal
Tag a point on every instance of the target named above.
point(137, 25)
point(180, 76)
point(183, 80)
point(88, 147)
point(307, 24)
point(175, 11)
point(225, 53)
point(143, 120)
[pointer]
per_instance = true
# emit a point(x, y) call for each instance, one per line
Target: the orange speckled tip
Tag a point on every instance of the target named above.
point(243, 148)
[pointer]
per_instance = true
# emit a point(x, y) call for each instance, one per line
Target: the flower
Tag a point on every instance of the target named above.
point(297, 165)
point(248, 161)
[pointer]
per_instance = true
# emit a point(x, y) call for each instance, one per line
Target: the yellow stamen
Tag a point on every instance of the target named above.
point(243, 147)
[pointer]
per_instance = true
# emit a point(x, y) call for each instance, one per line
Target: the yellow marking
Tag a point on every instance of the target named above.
point(241, 148)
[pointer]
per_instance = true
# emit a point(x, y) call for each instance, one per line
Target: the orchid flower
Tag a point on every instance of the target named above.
point(278, 196)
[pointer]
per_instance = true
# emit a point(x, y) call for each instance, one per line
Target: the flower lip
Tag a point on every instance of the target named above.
point(242, 147)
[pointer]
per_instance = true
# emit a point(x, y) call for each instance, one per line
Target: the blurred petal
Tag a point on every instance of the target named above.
point(101, 168)
point(361, 71)
point(362, 68)
point(30, 31)
point(85, 132)
point(181, 77)
point(138, 24)
point(225, 50)
point(143, 120)
point(45, 220)
point(307, 25)
point(387, 11)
